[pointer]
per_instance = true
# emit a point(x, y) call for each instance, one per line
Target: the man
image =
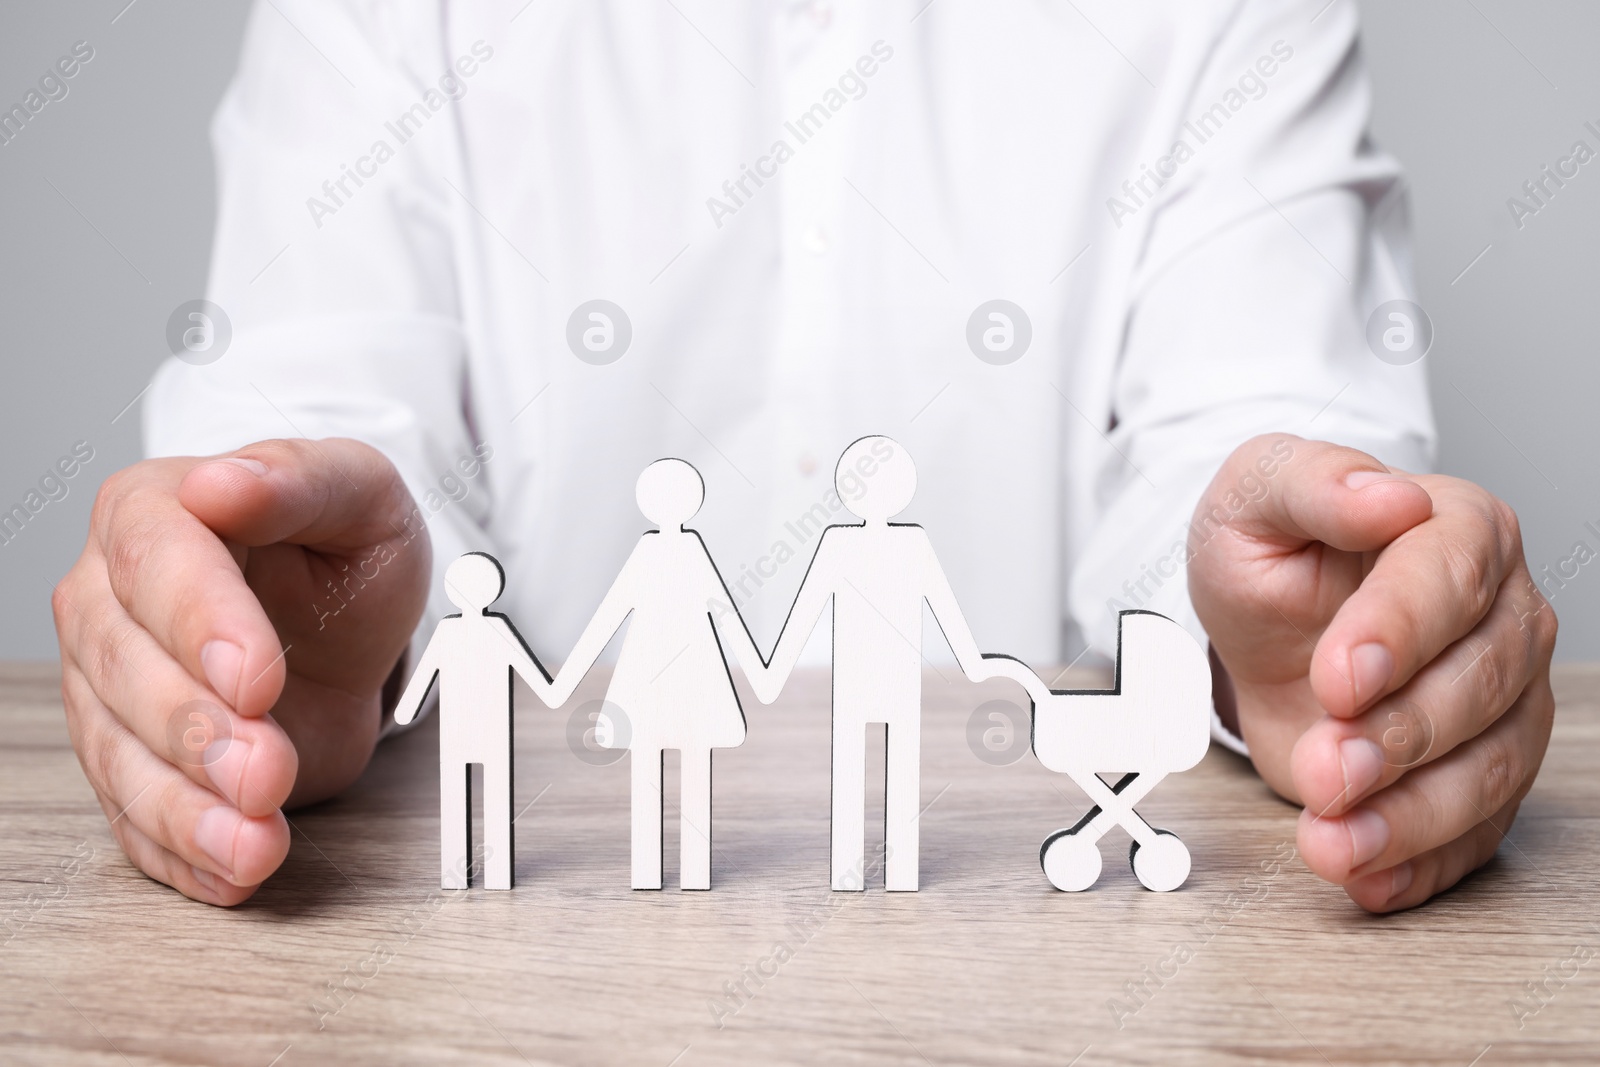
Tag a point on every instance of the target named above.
point(878, 574)
point(576, 237)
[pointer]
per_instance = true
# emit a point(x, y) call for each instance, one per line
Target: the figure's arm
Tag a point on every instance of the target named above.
point(995, 665)
point(947, 613)
point(525, 663)
point(416, 691)
point(815, 589)
point(733, 630)
point(608, 617)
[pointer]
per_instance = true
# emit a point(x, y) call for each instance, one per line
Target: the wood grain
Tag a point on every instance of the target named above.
point(1253, 961)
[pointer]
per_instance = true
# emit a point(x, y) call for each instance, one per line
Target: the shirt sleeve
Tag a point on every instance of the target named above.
point(1258, 261)
point(333, 260)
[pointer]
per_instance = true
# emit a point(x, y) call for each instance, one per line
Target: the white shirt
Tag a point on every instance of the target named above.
point(936, 157)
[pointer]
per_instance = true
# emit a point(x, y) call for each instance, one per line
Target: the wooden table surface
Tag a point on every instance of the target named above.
point(1253, 961)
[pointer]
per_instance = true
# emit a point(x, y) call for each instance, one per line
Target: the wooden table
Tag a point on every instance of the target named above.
point(1253, 961)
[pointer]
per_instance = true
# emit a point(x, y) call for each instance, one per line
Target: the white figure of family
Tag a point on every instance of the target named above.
point(672, 689)
point(672, 685)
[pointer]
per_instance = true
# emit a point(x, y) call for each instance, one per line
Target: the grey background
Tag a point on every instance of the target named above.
point(106, 205)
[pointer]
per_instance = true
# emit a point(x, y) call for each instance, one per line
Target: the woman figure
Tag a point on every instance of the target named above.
point(671, 687)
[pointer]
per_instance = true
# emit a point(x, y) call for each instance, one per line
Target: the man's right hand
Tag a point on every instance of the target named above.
point(208, 580)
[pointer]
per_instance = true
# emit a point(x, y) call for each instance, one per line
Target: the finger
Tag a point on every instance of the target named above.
point(1315, 491)
point(178, 581)
point(1438, 802)
point(324, 520)
point(175, 813)
point(1426, 589)
point(1417, 880)
point(333, 494)
point(250, 762)
point(167, 867)
point(1337, 762)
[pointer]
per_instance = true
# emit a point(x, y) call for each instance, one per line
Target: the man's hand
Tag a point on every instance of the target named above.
point(197, 577)
point(1389, 657)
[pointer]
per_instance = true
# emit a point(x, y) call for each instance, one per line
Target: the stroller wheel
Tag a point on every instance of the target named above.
point(1072, 863)
point(1162, 865)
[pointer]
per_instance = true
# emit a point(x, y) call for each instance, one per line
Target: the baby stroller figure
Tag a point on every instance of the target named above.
point(1154, 722)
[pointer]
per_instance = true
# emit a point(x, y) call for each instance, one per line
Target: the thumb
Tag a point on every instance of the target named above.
point(335, 494)
point(300, 516)
point(1286, 492)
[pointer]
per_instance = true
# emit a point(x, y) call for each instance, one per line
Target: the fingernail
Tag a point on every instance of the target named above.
point(1371, 667)
point(222, 662)
point(254, 466)
point(214, 833)
point(1359, 480)
point(225, 761)
point(1362, 763)
point(1369, 835)
point(207, 879)
point(1401, 875)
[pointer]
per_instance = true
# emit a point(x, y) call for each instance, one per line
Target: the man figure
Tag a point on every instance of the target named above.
point(878, 574)
point(473, 654)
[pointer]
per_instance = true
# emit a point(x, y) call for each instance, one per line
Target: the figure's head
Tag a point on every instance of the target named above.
point(474, 581)
point(669, 493)
point(875, 478)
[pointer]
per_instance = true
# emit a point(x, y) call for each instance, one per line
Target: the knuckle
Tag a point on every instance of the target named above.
point(104, 758)
point(68, 599)
point(1500, 677)
point(1546, 627)
point(117, 487)
point(129, 549)
point(111, 649)
point(277, 452)
point(1429, 817)
point(61, 599)
point(1508, 527)
point(167, 807)
point(1470, 573)
point(1261, 444)
point(1502, 774)
point(1267, 452)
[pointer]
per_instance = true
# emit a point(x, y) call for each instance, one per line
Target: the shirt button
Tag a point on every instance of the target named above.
point(807, 465)
point(822, 15)
point(815, 239)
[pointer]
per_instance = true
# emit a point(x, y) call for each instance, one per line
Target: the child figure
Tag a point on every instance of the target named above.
point(473, 655)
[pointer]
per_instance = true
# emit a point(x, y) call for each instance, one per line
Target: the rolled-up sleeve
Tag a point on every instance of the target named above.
point(1260, 260)
point(334, 260)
